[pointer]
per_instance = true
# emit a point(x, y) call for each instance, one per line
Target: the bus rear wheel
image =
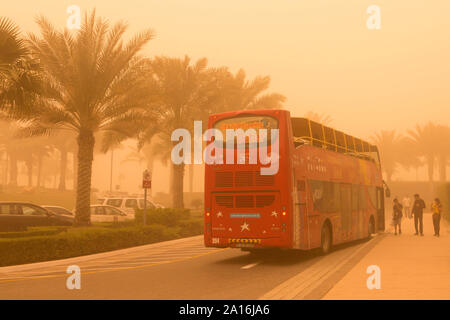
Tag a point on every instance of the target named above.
point(326, 239)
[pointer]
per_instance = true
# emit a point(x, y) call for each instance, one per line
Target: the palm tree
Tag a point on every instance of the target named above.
point(425, 143)
point(182, 94)
point(388, 143)
point(20, 77)
point(443, 155)
point(33, 151)
point(93, 85)
point(10, 145)
point(64, 142)
point(320, 118)
point(235, 92)
point(12, 46)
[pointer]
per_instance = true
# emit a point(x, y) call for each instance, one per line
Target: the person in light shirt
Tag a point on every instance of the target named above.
point(406, 202)
point(436, 209)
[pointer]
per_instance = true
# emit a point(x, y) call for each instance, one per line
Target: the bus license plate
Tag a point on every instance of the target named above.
point(245, 245)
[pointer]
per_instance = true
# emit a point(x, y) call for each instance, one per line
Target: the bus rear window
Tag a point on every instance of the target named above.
point(248, 122)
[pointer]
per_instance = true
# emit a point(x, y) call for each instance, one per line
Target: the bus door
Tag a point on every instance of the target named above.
point(300, 232)
point(380, 209)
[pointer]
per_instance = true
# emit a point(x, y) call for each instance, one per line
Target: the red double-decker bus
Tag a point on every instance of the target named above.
point(328, 188)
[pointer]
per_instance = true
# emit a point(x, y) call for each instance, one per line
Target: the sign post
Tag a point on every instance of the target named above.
point(146, 184)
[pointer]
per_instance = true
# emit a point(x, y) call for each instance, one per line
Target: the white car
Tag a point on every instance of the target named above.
point(101, 213)
point(128, 205)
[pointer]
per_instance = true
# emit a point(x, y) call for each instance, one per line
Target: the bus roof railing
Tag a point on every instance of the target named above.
point(313, 133)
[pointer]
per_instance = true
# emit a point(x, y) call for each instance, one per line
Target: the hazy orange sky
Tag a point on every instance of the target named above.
point(319, 54)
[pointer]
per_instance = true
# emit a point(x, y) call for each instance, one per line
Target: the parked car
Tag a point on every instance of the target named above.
point(58, 210)
point(129, 205)
point(101, 213)
point(20, 215)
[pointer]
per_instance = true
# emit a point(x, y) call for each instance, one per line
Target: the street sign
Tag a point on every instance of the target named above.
point(147, 180)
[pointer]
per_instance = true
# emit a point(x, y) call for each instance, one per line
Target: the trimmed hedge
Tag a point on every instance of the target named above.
point(33, 232)
point(166, 216)
point(90, 240)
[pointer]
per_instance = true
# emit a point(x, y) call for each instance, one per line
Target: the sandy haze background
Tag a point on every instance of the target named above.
point(319, 54)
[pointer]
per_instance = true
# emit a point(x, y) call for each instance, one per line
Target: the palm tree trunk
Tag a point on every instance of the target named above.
point(29, 165)
point(63, 169)
point(442, 168)
point(191, 178)
point(86, 143)
point(39, 173)
point(430, 163)
point(177, 192)
point(75, 168)
point(13, 170)
point(150, 165)
point(5, 176)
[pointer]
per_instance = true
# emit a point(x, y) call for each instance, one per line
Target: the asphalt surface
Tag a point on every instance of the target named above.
point(185, 270)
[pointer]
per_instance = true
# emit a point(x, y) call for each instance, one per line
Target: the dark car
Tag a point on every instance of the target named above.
point(20, 215)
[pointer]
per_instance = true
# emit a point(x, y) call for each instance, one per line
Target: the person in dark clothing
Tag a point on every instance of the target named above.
point(436, 209)
point(397, 217)
point(417, 211)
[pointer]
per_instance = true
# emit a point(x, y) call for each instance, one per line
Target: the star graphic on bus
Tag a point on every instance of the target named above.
point(245, 226)
point(274, 214)
point(219, 214)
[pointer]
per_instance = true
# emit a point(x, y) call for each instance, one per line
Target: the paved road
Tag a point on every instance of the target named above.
point(185, 269)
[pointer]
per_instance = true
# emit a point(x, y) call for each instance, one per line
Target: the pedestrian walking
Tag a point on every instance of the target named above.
point(436, 209)
point(406, 202)
point(417, 211)
point(397, 216)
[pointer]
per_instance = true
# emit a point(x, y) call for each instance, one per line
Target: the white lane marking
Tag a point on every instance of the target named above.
point(251, 265)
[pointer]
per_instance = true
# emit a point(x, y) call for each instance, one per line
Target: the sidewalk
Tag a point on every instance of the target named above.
point(412, 267)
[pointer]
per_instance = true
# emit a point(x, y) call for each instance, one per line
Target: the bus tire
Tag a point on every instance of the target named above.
point(371, 226)
point(326, 239)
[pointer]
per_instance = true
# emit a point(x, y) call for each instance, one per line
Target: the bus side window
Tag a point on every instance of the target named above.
point(340, 141)
point(317, 133)
point(301, 186)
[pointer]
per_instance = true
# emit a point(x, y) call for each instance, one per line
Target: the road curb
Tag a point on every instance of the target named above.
point(68, 261)
point(304, 284)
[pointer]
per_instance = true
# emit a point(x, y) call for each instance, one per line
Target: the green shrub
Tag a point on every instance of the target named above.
point(166, 216)
point(190, 227)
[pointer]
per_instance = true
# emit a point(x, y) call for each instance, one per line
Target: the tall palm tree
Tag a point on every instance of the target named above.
point(182, 93)
point(64, 142)
point(425, 143)
point(9, 144)
point(93, 85)
point(236, 92)
point(443, 154)
point(12, 46)
point(20, 76)
point(322, 118)
point(409, 158)
point(388, 143)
